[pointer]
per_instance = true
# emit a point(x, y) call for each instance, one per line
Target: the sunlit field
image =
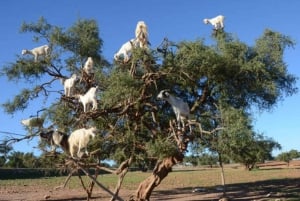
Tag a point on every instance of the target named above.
point(285, 180)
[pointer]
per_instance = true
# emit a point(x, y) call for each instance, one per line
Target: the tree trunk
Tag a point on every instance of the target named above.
point(160, 171)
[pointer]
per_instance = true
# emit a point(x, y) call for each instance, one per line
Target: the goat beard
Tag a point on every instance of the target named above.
point(142, 35)
point(141, 32)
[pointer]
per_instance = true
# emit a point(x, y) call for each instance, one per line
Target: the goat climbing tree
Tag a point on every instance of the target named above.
point(134, 127)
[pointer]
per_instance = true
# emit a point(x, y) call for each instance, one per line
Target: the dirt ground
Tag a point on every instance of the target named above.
point(265, 191)
point(278, 190)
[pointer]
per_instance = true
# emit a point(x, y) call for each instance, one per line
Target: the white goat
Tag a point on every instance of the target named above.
point(56, 139)
point(89, 66)
point(33, 122)
point(141, 34)
point(180, 108)
point(69, 85)
point(217, 22)
point(79, 139)
point(38, 51)
point(126, 50)
point(89, 97)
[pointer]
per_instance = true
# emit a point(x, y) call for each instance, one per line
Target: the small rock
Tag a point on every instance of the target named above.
point(199, 190)
point(46, 197)
point(269, 194)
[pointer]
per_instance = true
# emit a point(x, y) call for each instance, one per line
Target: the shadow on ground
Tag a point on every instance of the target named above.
point(281, 189)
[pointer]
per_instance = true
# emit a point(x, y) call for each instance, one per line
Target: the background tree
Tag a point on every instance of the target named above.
point(294, 153)
point(285, 156)
point(4, 150)
point(191, 159)
point(288, 156)
point(240, 143)
point(210, 159)
point(221, 82)
point(18, 159)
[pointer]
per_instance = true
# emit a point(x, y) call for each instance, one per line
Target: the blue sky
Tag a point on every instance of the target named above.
point(177, 20)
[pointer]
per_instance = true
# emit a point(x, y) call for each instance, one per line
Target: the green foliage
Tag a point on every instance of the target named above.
point(294, 153)
point(46, 161)
point(20, 102)
point(208, 159)
point(121, 87)
point(42, 28)
point(161, 148)
point(18, 159)
point(251, 76)
point(284, 157)
point(61, 116)
point(4, 150)
point(202, 159)
point(82, 39)
point(288, 156)
point(238, 141)
point(25, 69)
point(2, 161)
point(220, 82)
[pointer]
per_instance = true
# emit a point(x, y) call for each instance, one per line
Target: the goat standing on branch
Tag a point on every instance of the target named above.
point(217, 22)
point(88, 98)
point(126, 50)
point(38, 51)
point(180, 108)
point(140, 40)
point(33, 122)
point(56, 139)
point(89, 66)
point(69, 85)
point(141, 34)
point(79, 139)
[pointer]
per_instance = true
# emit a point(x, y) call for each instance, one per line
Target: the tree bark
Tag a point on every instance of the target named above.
point(160, 171)
point(121, 171)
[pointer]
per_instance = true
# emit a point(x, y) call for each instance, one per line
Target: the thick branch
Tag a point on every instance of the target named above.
point(202, 99)
point(121, 171)
point(98, 183)
point(67, 179)
point(160, 171)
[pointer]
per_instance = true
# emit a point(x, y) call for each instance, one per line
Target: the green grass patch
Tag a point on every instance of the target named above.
point(176, 179)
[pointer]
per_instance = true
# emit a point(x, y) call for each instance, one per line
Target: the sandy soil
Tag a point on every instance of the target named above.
point(266, 191)
point(279, 190)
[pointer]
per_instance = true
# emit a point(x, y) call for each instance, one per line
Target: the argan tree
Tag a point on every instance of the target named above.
point(288, 156)
point(133, 126)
